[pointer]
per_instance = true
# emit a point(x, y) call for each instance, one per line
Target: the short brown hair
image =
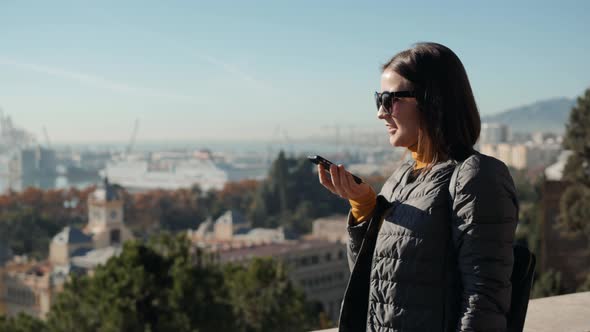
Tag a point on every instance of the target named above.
point(450, 122)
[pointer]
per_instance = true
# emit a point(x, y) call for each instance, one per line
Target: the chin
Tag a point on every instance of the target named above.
point(395, 141)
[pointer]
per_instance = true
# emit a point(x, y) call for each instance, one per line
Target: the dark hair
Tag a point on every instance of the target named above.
point(449, 119)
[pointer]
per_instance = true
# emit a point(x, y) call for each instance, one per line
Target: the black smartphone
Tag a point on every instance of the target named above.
point(326, 163)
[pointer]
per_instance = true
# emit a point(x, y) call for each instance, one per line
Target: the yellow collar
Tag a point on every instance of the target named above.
point(420, 163)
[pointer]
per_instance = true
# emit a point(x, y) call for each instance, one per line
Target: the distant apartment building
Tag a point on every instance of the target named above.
point(494, 133)
point(319, 267)
point(33, 167)
point(523, 156)
point(29, 286)
point(317, 261)
point(332, 228)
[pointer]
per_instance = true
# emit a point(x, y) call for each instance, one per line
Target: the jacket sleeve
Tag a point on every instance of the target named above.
point(356, 234)
point(485, 214)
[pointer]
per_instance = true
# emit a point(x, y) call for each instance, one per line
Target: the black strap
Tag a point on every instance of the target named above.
point(453, 183)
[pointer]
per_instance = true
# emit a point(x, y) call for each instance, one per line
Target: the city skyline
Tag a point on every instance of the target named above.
point(232, 71)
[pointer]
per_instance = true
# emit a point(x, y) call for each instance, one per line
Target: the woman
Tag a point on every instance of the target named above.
point(423, 259)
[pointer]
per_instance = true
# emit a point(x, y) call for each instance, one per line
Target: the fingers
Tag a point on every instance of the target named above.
point(340, 182)
point(350, 187)
point(335, 173)
point(325, 181)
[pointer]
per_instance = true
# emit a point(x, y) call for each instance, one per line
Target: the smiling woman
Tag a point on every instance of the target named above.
point(443, 116)
point(429, 253)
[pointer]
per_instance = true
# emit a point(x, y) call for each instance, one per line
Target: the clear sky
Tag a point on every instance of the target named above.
point(192, 70)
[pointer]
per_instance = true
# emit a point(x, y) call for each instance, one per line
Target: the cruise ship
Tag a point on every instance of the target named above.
point(145, 174)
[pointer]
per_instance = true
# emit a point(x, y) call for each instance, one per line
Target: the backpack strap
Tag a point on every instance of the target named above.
point(453, 182)
point(452, 192)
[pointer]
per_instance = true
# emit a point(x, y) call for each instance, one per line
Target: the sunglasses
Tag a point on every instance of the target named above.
point(386, 98)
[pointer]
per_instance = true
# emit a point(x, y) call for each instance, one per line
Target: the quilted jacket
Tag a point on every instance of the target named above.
point(429, 262)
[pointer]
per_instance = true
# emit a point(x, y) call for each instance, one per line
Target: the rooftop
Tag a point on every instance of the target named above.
point(96, 257)
point(71, 235)
point(272, 249)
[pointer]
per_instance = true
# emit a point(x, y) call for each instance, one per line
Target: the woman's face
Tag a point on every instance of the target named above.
point(402, 121)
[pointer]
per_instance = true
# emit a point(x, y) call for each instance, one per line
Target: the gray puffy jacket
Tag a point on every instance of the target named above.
point(426, 262)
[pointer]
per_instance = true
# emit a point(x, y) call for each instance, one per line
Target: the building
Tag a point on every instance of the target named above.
point(33, 167)
point(494, 133)
point(332, 228)
point(29, 286)
point(524, 155)
point(106, 223)
point(232, 226)
point(319, 267)
point(317, 261)
point(229, 225)
point(26, 287)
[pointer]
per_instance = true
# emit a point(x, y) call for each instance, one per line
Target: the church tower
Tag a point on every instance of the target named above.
point(105, 217)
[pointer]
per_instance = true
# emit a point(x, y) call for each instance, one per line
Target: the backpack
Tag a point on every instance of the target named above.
point(522, 275)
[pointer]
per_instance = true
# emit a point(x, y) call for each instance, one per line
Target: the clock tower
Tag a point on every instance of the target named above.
point(105, 216)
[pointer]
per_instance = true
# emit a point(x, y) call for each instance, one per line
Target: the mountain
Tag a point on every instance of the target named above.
point(549, 115)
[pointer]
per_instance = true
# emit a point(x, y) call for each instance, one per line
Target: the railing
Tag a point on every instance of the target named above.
point(556, 313)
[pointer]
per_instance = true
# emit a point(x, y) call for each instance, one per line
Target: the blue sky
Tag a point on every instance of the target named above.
point(191, 70)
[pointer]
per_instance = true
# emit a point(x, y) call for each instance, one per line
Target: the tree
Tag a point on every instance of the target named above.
point(26, 232)
point(22, 323)
point(574, 209)
point(283, 182)
point(264, 299)
point(529, 198)
point(585, 286)
point(291, 196)
point(155, 287)
point(577, 140)
point(548, 284)
point(166, 285)
point(575, 201)
point(29, 219)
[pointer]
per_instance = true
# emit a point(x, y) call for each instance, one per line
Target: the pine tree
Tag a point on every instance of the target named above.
point(575, 201)
point(22, 323)
point(264, 299)
point(279, 178)
point(577, 140)
point(155, 287)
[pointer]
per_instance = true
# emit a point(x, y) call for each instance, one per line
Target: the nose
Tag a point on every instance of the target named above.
point(381, 113)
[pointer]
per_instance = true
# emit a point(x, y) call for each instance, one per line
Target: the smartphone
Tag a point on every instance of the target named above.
point(326, 163)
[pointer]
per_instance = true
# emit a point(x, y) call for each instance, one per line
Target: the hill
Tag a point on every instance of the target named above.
point(549, 115)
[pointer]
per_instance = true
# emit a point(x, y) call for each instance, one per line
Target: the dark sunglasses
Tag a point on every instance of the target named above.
point(386, 98)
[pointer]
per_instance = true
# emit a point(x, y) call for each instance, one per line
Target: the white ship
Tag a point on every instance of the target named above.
point(170, 174)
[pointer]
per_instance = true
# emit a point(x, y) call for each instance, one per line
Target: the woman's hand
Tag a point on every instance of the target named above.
point(342, 183)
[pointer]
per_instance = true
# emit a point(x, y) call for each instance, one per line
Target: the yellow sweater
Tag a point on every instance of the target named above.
point(362, 207)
